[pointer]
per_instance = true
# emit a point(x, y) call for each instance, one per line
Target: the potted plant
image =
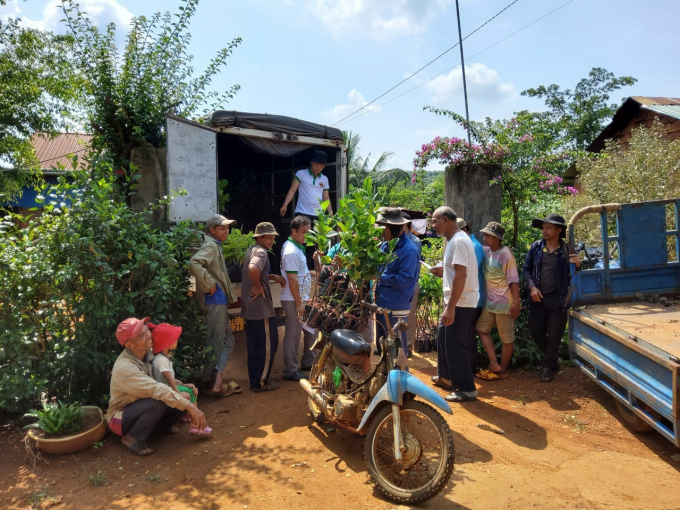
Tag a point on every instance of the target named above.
point(63, 428)
point(234, 250)
point(341, 291)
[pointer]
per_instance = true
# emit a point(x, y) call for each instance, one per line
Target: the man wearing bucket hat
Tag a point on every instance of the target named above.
point(501, 307)
point(546, 273)
point(397, 282)
point(258, 308)
point(214, 292)
point(139, 404)
point(313, 188)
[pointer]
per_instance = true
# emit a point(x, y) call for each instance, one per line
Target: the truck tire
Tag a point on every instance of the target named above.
point(632, 420)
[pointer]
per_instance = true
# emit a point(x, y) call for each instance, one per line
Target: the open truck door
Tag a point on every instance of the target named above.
point(192, 166)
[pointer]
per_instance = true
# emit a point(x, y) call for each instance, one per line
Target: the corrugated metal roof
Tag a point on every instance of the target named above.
point(651, 101)
point(672, 110)
point(51, 152)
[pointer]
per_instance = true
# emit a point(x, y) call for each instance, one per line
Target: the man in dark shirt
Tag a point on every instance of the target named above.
point(546, 273)
point(258, 309)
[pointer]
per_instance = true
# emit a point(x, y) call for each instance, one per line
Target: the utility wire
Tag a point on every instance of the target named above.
point(452, 68)
point(430, 62)
point(43, 161)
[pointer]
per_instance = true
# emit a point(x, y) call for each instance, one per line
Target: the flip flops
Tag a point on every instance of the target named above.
point(459, 396)
point(234, 387)
point(226, 392)
point(197, 432)
point(491, 376)
point(441, 382)
point(140, 449)
point(547, 375)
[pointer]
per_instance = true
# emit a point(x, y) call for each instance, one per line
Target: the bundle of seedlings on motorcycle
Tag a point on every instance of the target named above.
point(344, 283)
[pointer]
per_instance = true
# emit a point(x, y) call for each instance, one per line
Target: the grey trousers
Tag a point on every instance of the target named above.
point(291, 341)
point(412, 331)
point(220, 341)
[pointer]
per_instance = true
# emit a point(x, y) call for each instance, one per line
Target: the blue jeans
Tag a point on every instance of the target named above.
point(220, 341)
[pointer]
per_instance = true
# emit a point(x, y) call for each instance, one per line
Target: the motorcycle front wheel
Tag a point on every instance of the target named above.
point(427, 462)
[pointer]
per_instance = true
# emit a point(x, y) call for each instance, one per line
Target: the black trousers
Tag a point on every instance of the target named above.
point(547, 322)
point(472, 346)
point(147, 415)
point(263, 341)
point(453, 350)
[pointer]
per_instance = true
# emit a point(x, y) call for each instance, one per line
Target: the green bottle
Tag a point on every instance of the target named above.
point(337, 376)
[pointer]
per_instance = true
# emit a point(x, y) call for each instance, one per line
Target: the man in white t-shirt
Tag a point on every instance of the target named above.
point(296, 290)
point(461, 294)
point(312, 188)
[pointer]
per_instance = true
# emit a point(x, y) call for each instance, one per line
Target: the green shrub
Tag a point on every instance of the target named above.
point(71, 276)
point(57, 418)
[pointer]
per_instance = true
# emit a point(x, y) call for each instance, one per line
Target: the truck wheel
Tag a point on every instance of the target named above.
point(632, 420)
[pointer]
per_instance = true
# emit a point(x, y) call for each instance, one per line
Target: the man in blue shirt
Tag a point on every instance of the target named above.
point(397, 282)
point(412, 331)
point(479, 253)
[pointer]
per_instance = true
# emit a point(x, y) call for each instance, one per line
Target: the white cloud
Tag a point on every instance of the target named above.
point(483, 83)
point(340, 111)
point(100, 13)
point(380, 19)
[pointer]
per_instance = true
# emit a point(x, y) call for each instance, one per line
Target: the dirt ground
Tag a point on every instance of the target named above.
point(522, 445)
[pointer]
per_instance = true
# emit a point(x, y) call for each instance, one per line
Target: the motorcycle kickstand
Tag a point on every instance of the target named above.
point(396, 424)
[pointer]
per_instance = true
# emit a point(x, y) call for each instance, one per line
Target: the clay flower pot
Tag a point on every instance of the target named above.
point(76, 442)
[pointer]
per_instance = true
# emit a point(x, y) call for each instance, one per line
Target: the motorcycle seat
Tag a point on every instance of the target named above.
point(351, 342)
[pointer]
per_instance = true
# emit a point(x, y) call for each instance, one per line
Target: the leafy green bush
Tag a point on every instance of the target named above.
point(236, 245)
point(71, 276)
point(57, 418)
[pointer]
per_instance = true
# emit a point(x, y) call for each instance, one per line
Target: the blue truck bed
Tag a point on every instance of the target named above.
point(624, 328)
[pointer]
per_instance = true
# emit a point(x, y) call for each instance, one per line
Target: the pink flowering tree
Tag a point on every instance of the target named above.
point(530, 163)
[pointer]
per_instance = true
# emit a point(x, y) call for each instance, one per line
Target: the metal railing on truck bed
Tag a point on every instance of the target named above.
point(623, 329)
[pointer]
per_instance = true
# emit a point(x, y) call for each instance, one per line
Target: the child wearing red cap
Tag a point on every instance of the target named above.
point(165, 337)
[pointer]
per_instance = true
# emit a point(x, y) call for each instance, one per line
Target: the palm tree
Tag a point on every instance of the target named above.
point(359, 168)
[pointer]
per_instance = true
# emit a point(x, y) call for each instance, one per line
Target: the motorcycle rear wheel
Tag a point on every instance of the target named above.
point(428, 461)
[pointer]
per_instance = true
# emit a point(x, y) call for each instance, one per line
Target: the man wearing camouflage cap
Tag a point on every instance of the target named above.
point(214, 293)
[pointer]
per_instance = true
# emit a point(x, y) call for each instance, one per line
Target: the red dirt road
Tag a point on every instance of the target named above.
point(522, 445)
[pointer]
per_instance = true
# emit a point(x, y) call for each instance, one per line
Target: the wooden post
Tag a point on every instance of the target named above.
point(469, 194)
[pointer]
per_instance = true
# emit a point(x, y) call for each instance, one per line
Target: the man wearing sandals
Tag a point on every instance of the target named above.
point(502, 301)
point(546, 273)
point(139, 404)
point(258, 309)
point(214, 292)
point(461, 295)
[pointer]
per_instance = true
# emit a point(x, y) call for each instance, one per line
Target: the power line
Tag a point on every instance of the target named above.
point(452, 68)
point(44, 161)
point(430, 62)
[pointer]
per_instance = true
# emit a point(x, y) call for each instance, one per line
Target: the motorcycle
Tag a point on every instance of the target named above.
point(408, 445)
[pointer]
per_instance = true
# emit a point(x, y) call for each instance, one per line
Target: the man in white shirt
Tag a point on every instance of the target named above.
point(296, 290)
point(312, 188)
point(461, 294)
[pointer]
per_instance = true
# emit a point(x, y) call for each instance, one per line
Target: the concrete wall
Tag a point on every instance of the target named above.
point(151, 163)
point(468, 193)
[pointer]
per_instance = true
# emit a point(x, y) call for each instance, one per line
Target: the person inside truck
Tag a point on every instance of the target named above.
point(312, 188)
point(214, 292)
point(546, 274)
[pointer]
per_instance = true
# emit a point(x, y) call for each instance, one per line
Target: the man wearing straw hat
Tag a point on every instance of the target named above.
point(258, 309)
point(214, 293)
point(398, 281)
point(546, 273)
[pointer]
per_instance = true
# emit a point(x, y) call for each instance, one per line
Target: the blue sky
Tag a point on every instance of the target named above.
point(319, 60)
